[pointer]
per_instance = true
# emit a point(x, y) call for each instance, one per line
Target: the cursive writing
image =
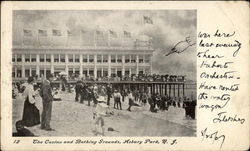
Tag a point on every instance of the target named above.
point(223, 117)
point(214, 136)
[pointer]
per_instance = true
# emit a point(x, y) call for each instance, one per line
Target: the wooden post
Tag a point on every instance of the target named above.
point(174, 89)
point(183, 88)
point(169, 90)
point(178, 90)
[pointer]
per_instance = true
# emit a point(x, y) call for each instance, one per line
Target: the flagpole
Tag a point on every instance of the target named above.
point(95, 38)
point(38, 40)
point(108, 38)
point(23, 38)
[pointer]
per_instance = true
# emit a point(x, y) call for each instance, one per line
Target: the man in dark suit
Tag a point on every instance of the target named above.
point(109, 93)
point(78, 89)
point(47, 97)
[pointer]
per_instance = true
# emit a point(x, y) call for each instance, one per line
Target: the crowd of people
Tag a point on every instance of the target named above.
point(133, 77)
point(92, 93)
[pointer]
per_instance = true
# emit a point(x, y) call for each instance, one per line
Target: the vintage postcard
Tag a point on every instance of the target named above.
point(125, 75)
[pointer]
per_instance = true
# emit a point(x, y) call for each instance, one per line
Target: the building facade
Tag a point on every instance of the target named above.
point(94, 61)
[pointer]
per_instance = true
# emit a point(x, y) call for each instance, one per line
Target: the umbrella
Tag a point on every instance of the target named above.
point(63, 73)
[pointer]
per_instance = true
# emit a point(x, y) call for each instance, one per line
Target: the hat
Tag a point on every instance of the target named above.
point(49, 76)
point(30, 79)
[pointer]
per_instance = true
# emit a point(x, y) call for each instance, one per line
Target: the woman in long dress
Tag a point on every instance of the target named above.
point(31, 114)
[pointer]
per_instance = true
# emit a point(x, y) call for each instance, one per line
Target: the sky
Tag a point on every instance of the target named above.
point(169, 27)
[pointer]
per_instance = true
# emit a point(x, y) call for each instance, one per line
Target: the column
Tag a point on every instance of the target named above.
point(38, 70)
point(169, 90)
point(15, 69)
point(23, 69)
point(81, 65)
point(37, 58)
point(150, 60)
point(137, 64)
point(174, 89)
point(178, 91)
point(52, 64)
point(166, 89)
point(183, 88)
point(67, 62)
point(109, 68)
point(102, 72)
point(95, 70)
point(160, 89)
point(123, 62)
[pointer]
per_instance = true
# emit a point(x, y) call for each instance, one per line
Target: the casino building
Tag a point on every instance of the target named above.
point(94, 61)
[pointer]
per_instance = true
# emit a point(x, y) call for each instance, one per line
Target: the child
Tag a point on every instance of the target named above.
point(98, 114)
point(21, 131)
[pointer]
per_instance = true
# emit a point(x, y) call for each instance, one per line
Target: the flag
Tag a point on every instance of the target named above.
point(56, 32)
point(113, 34)
point(27, 33)
point(147, 20)
point(42, 33)
point(127, 34)
point(69, 33)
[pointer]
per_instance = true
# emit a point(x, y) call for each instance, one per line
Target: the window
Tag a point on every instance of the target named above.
point(99, 72)
point(113, 59)
point(48, 58)
point(62, 58)
point(133, 58)
point(27, 58)
point(127, 58)
point(48, 72)
point(133, 71)
point(85, 58)
point(71, 59)
point(119, 72)
point(71, 72)
point(77, 71)
point(91, 58)
point(99, 58)
point(19, 58)
point(33, 58)
point(119, 58)
point(19, 72)
point(147, 71)
point(13, 72)
point(41, 72)
point(33, 71)
point(147, 58)
point(113, 74)
point(56, 57)
point(27, 72)
point(91, 72)
point(41, 56)
point(140, 71)
point(77, 58)
point(127, 71)
point(105, 58)
point(141, 59)
point(105, 72)
point(13, 58)
point(85, 71)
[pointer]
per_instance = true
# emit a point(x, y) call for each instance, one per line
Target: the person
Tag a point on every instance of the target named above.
point(130, 100)
point(21, 131)
point(144, 98)
point(117, 98)
point(109, 93)
point(47, 98)
point(83, 93)
point(31, 115)
point(78, 89)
